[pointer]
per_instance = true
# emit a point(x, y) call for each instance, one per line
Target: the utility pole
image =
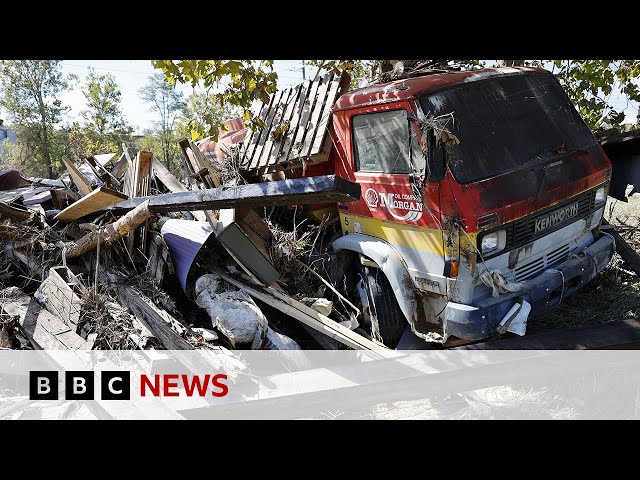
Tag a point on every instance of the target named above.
point(304, 77)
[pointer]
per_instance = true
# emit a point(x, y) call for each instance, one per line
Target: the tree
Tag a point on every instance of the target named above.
point(29, 91)
point(246, 82)
point(105, 128)
point(589, 83)
point(168, 104)
point(202, 113)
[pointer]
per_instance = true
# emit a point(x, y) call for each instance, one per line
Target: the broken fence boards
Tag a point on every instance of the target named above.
point(137, 183)
point(44, 330)
point(299, 191)
point(201, 167)
point(91, 203)
point(80, 181)
point(62, 291)
point(8, 196)
point(308, 316)
point(296, 122)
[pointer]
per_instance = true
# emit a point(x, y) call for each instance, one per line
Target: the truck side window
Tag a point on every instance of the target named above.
point(382, 142)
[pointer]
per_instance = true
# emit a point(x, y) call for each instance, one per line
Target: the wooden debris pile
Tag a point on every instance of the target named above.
point(112, 255)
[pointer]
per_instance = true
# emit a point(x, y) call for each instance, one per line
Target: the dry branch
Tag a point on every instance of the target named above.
point(109, 233)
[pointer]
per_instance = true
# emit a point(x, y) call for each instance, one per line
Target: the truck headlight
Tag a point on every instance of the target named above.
point(601, 195)
point(493, 242)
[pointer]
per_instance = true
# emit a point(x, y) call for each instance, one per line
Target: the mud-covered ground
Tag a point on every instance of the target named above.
point(612, 295)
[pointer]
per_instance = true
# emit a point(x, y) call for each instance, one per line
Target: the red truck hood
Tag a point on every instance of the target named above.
point(521, 192)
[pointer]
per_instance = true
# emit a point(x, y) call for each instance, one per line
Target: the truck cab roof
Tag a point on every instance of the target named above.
point(407, 88)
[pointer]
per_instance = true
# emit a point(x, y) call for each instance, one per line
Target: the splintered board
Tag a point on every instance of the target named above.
point(296, 122)
point(96, 200)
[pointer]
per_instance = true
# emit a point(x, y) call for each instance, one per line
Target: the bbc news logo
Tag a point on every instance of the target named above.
point(116, 385)
point(79, 385)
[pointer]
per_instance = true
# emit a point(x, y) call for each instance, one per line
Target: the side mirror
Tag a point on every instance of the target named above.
point(436, 158)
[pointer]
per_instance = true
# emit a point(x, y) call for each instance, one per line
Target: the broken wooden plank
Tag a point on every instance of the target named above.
point(278, 120)
point(246, 245)
point(43, 329)
point(264, 135)
point(62, 292)
point(61, 198)
point(335, 86)
point(9, 196)
point(299, 191)
point(100, 171)
point(121, 166)
point(307, 316)
point(307, 88)
point(47, 182)
point(137, 185)
point(626, 251)
point(251, 140)
point(171, 182)
point(96, 200)
point(16, 214)
point(79, 180)
point(301, 145)
point(37, 199)
point(109, 233)
point(287, 124)
point(164, 327)
point(200, 167)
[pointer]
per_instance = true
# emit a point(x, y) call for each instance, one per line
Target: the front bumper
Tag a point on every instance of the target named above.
point(542, 292)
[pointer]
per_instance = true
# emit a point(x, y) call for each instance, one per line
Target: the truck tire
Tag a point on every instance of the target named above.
point(391, 320)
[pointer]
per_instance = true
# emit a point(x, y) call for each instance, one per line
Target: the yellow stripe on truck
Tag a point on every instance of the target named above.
point(427, 240)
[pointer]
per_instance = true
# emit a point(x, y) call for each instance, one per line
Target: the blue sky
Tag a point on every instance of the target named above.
point(132, 74)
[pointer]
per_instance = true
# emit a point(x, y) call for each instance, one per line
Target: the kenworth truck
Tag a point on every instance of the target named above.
point(480, 189)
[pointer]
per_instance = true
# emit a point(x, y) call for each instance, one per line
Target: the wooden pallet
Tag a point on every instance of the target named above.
point(296, 127)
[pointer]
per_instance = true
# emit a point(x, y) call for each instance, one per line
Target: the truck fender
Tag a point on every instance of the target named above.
point(391, 264)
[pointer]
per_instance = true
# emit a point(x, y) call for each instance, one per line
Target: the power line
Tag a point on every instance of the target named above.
point(107, 69)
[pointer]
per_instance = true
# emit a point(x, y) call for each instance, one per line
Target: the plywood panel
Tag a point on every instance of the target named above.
point(97, 200)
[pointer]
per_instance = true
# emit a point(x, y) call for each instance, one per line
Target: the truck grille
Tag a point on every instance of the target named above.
point(536, 266)
point(521, 232)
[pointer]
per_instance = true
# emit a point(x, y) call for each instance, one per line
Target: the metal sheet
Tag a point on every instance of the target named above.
point(185, 238)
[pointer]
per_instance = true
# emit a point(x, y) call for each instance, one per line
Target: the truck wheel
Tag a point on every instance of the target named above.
point(384, 307)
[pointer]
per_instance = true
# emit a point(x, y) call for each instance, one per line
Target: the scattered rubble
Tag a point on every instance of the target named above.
point(98, 259)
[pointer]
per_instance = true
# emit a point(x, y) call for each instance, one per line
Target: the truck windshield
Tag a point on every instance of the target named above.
point(506, 123)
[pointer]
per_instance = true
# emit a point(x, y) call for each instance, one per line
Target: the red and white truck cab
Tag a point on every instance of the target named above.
point(480, 189)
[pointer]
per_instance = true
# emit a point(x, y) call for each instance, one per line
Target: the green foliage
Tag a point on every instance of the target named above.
point(105, 126)
point(245, 82)
point(29, 91)
point(590, 84)
point(25, 154)
point(151, 142)
point(164, 100)
point(202, 115)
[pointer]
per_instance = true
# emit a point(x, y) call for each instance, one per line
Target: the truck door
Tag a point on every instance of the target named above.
point(385, 153)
